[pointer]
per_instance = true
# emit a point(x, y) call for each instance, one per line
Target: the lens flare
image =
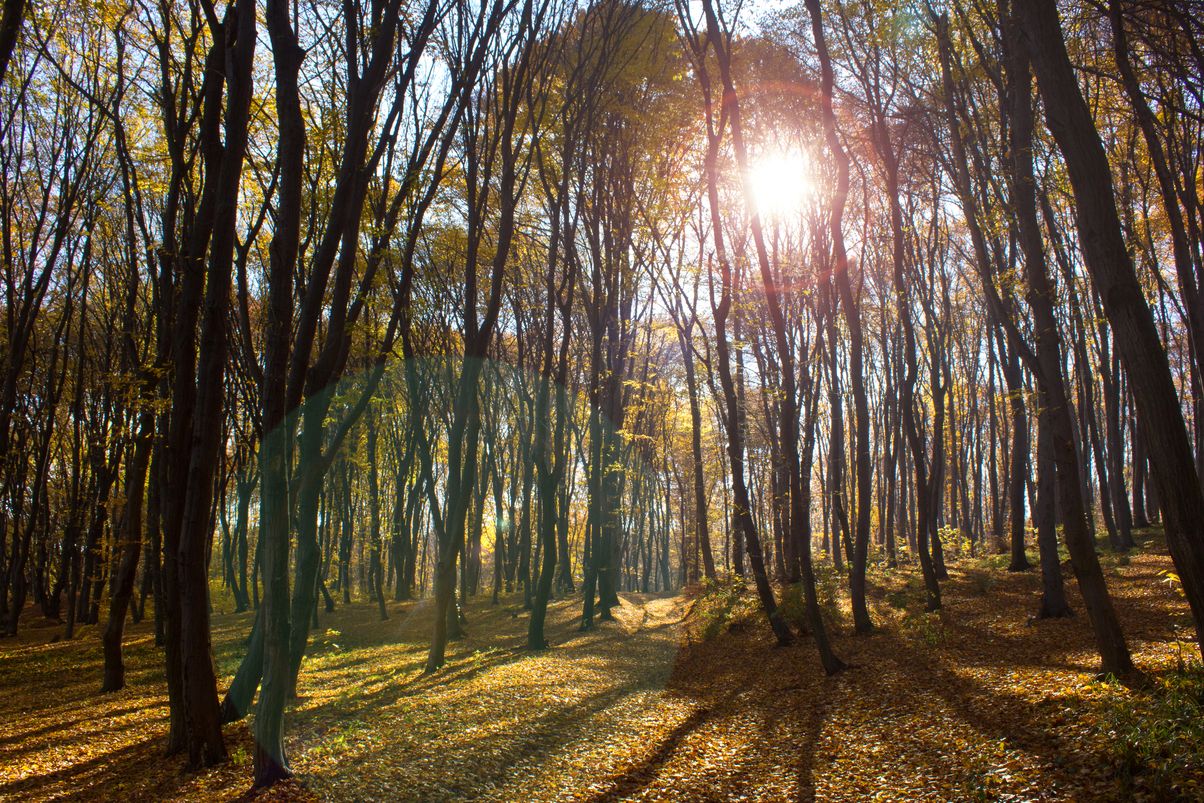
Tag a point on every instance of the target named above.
point(781, 183)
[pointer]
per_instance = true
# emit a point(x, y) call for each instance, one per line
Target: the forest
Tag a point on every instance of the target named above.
point(602, 399)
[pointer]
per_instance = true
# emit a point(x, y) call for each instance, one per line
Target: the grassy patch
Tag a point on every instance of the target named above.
point(999, 561)
point(1155, 737)
point(909, 595)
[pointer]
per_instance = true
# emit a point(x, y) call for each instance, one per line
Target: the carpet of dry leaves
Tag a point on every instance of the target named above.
point(978, 702)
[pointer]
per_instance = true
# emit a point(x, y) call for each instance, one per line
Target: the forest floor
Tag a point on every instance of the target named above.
point(683, 697)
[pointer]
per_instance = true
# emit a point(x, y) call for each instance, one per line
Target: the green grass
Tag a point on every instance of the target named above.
point(1156, 735)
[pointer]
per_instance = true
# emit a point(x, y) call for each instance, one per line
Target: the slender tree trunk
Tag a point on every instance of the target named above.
point(130, 549)
point(272, 618)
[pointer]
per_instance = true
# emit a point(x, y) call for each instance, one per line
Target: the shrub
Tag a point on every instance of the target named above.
point(925, 627)
point(716, 603)
point(909, 595)
point(794, 606)
point(980, 582)
point(899, 599)
point(828, 585)
point(1155, 737)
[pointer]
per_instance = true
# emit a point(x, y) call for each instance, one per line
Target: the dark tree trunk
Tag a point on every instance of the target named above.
point(702, 534)
point(130, 549)
point(270, 636)
point(1057, 418)
point(1053, 590)
point(1019, 461)
point(1111, 269)
point(789, 404)
point(377, 566)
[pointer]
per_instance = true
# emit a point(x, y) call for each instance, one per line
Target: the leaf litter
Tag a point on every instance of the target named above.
point(977, 702)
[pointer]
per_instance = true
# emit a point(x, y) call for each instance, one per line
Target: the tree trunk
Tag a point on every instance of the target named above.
point(130, 548)
point(1111, 268)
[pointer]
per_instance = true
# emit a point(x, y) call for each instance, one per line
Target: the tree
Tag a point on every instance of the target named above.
point(1111, 268)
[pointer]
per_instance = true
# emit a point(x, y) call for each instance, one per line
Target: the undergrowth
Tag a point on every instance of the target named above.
point(1155, 736)
point(924, 627)
point(718, 604)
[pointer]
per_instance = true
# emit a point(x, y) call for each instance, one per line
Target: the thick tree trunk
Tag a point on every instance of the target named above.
point(1111, 268)
point(1057, 418)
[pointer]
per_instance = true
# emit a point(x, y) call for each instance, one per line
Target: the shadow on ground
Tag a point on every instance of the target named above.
point(975, 702)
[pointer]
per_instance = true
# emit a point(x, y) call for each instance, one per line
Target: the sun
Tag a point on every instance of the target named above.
point(781, 183)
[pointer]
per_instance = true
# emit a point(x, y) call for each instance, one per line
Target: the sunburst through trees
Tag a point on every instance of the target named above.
point(514, 331)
